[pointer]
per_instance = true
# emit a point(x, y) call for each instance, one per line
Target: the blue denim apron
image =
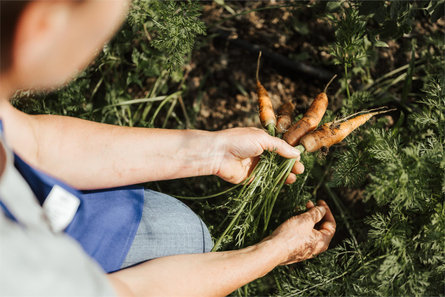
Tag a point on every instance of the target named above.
point(106, 221)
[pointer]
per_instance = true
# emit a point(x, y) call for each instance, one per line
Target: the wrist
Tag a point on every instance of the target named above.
point(274, 251)
point(206, 153)
point(217, 150)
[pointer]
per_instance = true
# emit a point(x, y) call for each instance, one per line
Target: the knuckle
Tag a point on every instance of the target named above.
point(321, 210)
point(262, 135)
point(324, 248)
point(282, 142)
point(316, 213)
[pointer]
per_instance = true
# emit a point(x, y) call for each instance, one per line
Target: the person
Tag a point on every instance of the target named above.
point(65, 174)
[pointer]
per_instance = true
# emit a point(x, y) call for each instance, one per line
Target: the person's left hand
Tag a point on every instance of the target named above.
point(306, 235)
point(241, 148)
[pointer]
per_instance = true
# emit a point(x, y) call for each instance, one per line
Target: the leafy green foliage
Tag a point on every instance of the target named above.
point(393, 19)
point(350, 44)
point(175, 25)
point(350, 169)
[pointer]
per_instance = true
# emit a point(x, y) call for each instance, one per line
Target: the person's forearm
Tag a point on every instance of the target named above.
point(91, 155)
point(209, 274)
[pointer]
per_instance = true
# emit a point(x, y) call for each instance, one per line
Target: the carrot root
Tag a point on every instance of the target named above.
point(311, 118)
point(332, 133)
point(285, 116)
point(329, 83)
point(309, 121)
point(258, 67)
point(266, 112)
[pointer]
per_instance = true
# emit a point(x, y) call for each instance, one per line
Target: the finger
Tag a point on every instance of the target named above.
point(322, 244)
point(316, 213)
point(327, 229)
point(309, 204)
point(252, 165)
point(329, 217)
point(281, 147)
point(298, 168)
point(291, 178)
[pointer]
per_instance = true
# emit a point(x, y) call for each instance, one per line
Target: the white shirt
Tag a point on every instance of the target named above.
point(35, 261)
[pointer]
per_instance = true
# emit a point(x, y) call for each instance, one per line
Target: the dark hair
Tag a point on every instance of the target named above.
point(10, 11)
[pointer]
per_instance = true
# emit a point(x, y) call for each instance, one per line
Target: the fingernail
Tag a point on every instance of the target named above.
point(321, 208)
point(300, 168)
point(295, 152)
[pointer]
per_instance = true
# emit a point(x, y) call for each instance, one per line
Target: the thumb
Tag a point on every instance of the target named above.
point(281, 147)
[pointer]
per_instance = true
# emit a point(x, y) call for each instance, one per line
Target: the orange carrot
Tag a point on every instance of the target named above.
point(334, 132)
point(267, 115)
point(310, 119)
point(285, 116)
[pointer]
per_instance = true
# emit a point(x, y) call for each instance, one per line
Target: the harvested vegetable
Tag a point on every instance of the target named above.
point(334, 132)
point(311, 118)
point(285, 116)
point(267, 114)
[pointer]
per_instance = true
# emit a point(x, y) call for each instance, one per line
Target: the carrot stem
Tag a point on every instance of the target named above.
point(364, 111)
point(208, 196)
point(276, 189)
point(284, 171)
point(300, 148)
point(346, 82)
point(271, 129)
point(246, 192)
point(373, 113)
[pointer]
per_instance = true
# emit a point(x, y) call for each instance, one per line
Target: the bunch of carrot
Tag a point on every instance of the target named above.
point(257, 196)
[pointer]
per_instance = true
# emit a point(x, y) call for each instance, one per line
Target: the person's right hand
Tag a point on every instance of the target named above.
point(307, 235)
point(240, 149)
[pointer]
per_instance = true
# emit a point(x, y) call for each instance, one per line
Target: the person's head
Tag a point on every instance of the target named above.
point(44, 43)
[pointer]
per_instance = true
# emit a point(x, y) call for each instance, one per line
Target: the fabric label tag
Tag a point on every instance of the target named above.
point(60, 206)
